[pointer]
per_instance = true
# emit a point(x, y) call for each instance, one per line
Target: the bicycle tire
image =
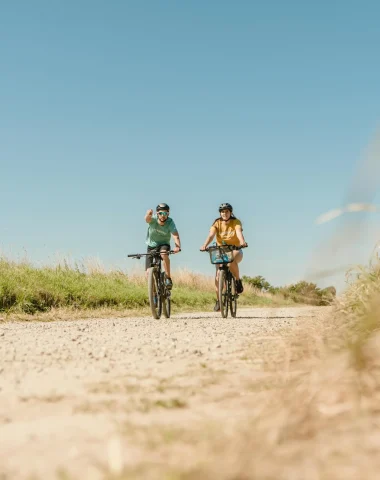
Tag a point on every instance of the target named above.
point(166, 301)
point(233, 297)
point(153, 292)
point(223, 294)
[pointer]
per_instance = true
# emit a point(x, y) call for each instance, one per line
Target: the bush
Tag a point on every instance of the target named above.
point(306, 292)
point(301, 292)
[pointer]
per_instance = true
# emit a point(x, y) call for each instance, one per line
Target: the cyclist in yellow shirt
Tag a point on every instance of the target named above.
point(229, 231)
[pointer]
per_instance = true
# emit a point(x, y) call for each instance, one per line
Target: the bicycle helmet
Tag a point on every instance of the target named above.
point(225, 206)
point(162, 206)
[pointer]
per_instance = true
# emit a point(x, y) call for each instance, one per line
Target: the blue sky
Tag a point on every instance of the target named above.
point(108, 108)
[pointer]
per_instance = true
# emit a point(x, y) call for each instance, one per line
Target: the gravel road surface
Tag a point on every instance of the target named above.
point(89, 398)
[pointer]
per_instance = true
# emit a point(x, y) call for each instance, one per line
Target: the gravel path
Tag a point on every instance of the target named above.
point(75, 394)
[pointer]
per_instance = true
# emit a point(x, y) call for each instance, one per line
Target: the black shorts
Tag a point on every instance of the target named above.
point(161, 248)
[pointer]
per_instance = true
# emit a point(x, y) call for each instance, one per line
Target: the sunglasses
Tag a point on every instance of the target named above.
point(165, 214)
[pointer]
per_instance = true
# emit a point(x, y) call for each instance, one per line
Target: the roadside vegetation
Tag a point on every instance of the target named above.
point(300, 292)
point(88, 289)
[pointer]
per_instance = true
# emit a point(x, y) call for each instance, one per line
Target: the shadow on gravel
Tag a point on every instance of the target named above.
point(266, 318)
point(216, 316)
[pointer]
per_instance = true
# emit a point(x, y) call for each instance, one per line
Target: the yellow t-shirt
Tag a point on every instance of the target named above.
point(226, 232)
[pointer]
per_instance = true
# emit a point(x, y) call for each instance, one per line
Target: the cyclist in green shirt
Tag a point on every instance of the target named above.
point(160, 230)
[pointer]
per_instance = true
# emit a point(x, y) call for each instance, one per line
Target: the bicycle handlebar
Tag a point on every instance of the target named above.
point(229, 247)
point(139, 255)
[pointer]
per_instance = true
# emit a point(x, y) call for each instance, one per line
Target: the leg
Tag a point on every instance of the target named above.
point(166, 262)
point(234, 268)
point(148, 261)
point(217, 280)
point(164, 250)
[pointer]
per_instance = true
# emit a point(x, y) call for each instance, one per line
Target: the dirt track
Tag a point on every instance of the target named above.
point(84, 399)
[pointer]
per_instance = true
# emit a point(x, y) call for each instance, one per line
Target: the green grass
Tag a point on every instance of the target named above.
point(26, 289)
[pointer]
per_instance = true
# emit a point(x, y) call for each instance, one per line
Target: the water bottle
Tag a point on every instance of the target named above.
point(217, 256)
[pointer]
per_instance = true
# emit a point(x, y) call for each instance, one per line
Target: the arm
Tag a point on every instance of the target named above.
point(239, 234)
point(209, 238)
point(177, 242)
point(148, 216)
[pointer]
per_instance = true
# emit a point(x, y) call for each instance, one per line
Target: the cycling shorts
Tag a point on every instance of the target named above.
point(161, 248)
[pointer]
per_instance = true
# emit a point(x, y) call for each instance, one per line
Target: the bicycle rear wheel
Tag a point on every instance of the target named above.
point(233, 297)
point(166, 301)
point(222, 293)
point(153, 292)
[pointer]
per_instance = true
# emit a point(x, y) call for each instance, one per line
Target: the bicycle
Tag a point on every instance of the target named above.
point(159, 294)
point(227, 295)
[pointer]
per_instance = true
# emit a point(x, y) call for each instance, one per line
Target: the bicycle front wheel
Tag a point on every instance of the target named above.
point(222, 292)
point(233, 298)
point(166, 302)
point(154, 294)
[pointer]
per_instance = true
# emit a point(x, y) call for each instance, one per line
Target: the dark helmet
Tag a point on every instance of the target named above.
point(225, 206)
point(162, 206)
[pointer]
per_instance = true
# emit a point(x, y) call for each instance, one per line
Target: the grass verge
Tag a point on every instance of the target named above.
point(78, 291)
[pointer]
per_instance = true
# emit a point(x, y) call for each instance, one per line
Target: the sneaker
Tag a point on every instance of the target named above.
point(168, 283)
point(217, 306)
point(239, 286)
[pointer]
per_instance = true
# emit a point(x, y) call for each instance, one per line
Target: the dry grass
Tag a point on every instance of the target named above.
point(183, 278)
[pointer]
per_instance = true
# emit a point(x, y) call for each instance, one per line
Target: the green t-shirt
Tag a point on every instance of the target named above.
point(160, 234)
